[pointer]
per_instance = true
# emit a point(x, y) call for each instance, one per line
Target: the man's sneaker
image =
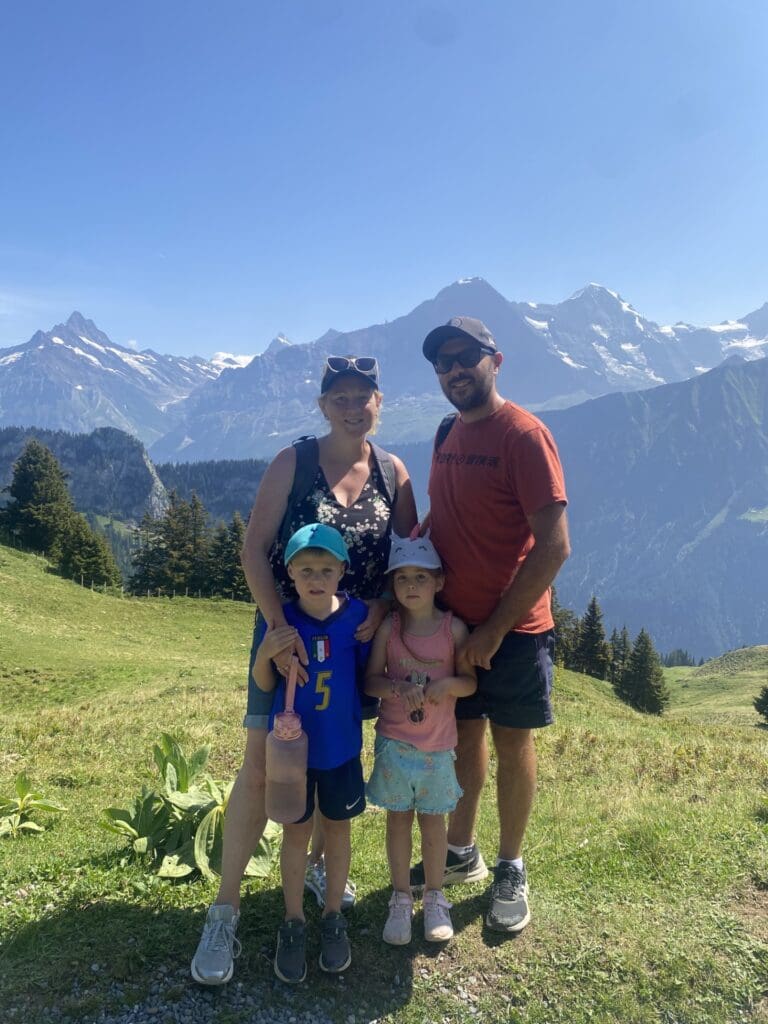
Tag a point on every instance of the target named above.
point(509, 910)
point(213, 963)
point(397, 930)
point(335, 952)
point(314, 881)
point(290, 958)
point(437, 920)
point(468, 868)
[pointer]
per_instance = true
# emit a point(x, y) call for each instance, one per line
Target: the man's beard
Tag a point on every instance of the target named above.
point(473, 397)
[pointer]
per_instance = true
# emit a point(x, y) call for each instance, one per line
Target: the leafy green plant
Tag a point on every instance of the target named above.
point(15, 812)
point(179, 828)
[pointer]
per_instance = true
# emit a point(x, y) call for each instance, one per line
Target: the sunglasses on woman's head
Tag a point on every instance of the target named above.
point(363, 364)
point(466, 357)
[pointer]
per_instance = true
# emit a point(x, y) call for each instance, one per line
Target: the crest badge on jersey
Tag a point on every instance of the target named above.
point(321, 648)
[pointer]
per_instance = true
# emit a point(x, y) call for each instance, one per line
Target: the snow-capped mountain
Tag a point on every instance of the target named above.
point(556, 355)
point(75, 378)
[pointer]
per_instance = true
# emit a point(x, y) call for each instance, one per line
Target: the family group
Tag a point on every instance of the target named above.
point(435, 628)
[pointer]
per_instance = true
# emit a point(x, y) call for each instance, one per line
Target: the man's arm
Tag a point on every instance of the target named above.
point(549, 527)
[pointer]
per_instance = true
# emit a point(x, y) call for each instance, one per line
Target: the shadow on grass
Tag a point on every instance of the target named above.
point(112, 953)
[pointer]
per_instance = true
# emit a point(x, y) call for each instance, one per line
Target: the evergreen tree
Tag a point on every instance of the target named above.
point(41, 506)
point(620, 650)
point(643, 686)
point(566, 633)
point(173, 555)
point(761, 703)
point(225, 574)
point(149, 558)
point(240, 589)
point(593, 656)
point(85, 555)
point(678, 657)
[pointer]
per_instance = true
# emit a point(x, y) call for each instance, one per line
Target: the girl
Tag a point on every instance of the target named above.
point(417, 669)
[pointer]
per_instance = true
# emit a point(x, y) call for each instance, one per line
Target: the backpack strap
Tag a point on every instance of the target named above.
point(386, 467)
point(444, 429)
point(307, 461)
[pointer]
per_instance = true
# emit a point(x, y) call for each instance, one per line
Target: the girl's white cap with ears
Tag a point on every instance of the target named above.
point(418, 552)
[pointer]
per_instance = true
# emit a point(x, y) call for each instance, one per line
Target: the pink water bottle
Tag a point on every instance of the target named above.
point(287, 747)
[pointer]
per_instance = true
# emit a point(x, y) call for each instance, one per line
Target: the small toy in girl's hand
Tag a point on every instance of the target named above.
point(421, 680)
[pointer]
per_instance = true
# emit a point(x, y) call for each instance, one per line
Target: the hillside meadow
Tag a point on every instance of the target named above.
point(647, 852)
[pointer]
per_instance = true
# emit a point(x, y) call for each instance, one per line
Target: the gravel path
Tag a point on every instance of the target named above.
point(173, 998)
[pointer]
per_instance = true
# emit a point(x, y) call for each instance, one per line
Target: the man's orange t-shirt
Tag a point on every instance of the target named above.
point(486, 478)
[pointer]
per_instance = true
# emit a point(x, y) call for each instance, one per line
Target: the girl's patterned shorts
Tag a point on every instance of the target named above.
point(405, 778)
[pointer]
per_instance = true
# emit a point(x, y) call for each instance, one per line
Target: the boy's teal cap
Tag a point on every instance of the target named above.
point(317, 535)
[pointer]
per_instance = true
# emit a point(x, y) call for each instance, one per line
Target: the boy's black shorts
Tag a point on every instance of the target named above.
point(517, 690)
point(339, 792)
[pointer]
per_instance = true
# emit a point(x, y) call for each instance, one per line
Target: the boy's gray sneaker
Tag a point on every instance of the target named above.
point(213, 963)
point(469, 868)
point(335, 951)
point(509, 910)
point(314, 882)
point(290, 958)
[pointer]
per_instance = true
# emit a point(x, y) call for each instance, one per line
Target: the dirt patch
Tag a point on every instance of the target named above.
point(752, 908)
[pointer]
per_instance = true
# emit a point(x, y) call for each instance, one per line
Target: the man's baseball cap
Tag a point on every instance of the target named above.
point(458, 327)
point(317, 535)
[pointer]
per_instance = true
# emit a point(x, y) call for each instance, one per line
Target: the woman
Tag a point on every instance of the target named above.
point(350, 493)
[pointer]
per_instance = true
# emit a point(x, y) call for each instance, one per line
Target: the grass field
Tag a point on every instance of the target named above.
point(721, 690)
point(647, 853)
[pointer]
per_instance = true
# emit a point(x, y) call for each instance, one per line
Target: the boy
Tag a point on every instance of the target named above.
point(329, 706)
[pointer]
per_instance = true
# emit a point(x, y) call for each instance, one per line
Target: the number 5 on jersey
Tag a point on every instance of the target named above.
point(323, 690)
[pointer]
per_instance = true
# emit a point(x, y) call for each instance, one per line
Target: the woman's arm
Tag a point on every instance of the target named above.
point(266, 516)
point(404, 516)
point(273, 643)
point(377, 684)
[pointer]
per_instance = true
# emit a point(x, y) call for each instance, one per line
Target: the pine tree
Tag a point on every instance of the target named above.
point(643, 686)
point(592, 653)
point(41, 505)
point(85, 555)
point(173, 555)
point(149, 558)
point(761, 703)
point(566, 633)
point(620, 650)
point(240, 589)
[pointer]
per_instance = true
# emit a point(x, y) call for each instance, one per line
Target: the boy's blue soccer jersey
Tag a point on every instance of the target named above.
point(329, 702)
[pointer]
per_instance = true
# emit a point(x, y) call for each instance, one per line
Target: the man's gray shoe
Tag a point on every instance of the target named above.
point(213, 963)
point(469, 868)
point(509, 911)
point(335, 951)
point(290, 958)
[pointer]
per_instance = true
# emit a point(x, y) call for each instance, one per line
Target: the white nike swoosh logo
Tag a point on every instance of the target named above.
point(350, 806)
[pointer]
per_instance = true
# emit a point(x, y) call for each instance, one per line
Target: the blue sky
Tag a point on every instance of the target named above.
point(198, 176)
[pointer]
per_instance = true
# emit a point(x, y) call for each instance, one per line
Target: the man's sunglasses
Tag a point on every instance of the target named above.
point(363, 364)
point(466, 357)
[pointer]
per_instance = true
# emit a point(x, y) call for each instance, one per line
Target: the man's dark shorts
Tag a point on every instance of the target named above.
point(338, 792)
point(260, 702)
point(517, 690)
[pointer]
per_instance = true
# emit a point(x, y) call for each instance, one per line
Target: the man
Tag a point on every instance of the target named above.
point(498, 519)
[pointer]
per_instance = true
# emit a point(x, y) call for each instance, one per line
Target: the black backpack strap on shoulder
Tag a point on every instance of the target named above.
point(307, 461)
point(444, 429)
point(387, 474)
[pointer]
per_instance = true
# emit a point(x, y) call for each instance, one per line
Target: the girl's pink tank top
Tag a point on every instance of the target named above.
point(432, 657)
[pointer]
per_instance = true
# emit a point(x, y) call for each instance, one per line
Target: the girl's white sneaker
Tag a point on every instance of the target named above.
point(397, 930)
point(437, 920)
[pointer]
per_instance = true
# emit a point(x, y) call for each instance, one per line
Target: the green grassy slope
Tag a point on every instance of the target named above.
point(646, 851)
point(721, 690)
